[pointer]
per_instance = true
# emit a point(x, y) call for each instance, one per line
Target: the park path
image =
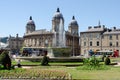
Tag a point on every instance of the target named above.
point(26, 67)
point(118, 64)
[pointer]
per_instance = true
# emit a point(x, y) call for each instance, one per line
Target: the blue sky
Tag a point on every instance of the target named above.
point(14, 14)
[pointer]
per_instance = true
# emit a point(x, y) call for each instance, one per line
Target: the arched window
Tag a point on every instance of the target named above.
point(110, 44)
point(90, 43)
point(97, 43)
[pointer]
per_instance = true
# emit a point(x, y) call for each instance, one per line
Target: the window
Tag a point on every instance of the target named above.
point(84, 43)
point(40, 44)
point(117, 44)
point(102, 37)
point(97, 36)
point(90, 36)
point(110, 37)
point(110, 44)
point(84, 37)
point(97, 43)
point(91, 43)
point(117, 36)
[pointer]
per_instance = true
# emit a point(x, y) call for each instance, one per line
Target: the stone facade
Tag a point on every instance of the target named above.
point(99, 38)
point(15, 43)
point(56, 37)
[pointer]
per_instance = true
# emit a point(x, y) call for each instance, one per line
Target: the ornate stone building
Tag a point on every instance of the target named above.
point(99, 38)
point(15, 43)
point(56, 37)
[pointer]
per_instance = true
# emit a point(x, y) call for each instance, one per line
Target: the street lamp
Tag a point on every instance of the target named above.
point(17, 48)
point(101, 40)
point(0, 42)
point(73, 44)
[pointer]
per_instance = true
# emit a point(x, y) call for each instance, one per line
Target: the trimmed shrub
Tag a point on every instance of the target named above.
point(107, 61)
point(45, 59)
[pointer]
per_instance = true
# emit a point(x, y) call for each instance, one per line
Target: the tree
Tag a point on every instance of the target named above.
point(5, 60)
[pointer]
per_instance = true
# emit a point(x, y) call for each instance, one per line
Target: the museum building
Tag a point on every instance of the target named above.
point(56, 37)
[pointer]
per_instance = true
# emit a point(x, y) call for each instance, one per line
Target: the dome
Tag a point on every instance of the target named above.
point(30, 21)
point(57, 15)
point(73, 22)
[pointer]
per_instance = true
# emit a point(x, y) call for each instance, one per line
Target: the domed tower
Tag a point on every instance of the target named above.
point(30, 26)
point(58, 29)
point(73, 26)
point(57, 20)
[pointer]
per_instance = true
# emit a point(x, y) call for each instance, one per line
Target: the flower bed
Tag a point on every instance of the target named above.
point(34, 74)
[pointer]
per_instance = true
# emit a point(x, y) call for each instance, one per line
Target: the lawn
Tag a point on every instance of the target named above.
point(113, 73)
point(50, 63)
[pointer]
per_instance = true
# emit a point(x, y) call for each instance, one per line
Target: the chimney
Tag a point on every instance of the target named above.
point(89, 27)
point(114, 28)
point(16, 35)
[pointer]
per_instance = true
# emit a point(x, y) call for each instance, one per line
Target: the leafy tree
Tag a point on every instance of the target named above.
point(5, 60)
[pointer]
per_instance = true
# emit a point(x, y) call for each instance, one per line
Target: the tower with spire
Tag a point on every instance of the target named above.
point(58, 29)
point(73, 26)
point(30, 26)
point(99, 24)
point(57, 18)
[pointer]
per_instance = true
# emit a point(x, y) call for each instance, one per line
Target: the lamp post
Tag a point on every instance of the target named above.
point(101, 41)
point(73, 45)
point(0, 42)
point(17, 48)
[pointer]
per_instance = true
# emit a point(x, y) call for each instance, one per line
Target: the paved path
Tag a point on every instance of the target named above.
point(118, 64)
point(26, 67)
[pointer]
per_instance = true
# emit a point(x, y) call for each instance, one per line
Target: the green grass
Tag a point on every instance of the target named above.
point(34, 73)
point(112, 73)
point(50, 63)
point(26, 63)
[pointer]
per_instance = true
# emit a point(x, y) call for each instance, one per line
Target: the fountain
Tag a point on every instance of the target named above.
point(61, 34)
point(54, 40)
point(50, 52)
point(59, 39)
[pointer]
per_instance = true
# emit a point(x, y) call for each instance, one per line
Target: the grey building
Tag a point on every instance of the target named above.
point(15, 43)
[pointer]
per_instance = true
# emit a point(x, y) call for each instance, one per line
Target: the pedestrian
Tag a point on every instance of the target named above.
point(18, 64)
